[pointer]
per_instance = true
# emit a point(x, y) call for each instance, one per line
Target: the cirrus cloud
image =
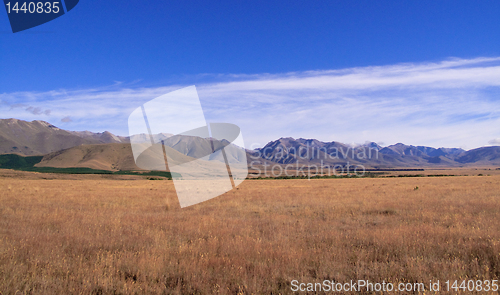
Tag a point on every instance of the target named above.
point(451, 103)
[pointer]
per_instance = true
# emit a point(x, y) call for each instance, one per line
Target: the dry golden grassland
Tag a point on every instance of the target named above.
point(100, 235)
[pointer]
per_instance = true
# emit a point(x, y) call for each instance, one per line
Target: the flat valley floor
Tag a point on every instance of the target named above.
point(67, 234)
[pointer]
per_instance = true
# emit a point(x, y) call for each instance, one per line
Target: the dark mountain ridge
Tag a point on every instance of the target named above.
point(288, 150)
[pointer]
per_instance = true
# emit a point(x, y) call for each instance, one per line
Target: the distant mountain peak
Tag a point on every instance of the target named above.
point(46, 124)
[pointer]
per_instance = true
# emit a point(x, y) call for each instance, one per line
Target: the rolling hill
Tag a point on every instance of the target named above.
point(119, 157)
point(111, 156)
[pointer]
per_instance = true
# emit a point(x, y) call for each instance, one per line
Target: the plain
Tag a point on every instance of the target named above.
point(101, 234)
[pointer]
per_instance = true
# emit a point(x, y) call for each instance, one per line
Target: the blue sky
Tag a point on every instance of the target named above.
point(418, 72)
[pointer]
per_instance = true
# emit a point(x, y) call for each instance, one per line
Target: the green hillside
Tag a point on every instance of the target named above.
point(13, 161)
point(17, 162)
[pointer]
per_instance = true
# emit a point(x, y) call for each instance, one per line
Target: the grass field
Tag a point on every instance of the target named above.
point(101, 234)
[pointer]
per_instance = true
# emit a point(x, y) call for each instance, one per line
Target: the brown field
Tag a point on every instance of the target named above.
point(126, 235)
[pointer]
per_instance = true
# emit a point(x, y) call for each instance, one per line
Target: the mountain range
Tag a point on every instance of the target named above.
point(62, 148)
point(289, 150)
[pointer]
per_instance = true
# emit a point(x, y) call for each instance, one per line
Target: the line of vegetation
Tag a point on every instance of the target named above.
point(13, 161)
point(422, 175)
point(366, 175)
point(395, 169)
point(17, 162)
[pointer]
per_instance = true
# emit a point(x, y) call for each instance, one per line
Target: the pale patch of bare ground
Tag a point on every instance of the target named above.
point(93, 235)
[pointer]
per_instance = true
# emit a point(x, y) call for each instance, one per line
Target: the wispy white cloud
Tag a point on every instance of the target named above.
point(495, 141)
point(452, 103)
